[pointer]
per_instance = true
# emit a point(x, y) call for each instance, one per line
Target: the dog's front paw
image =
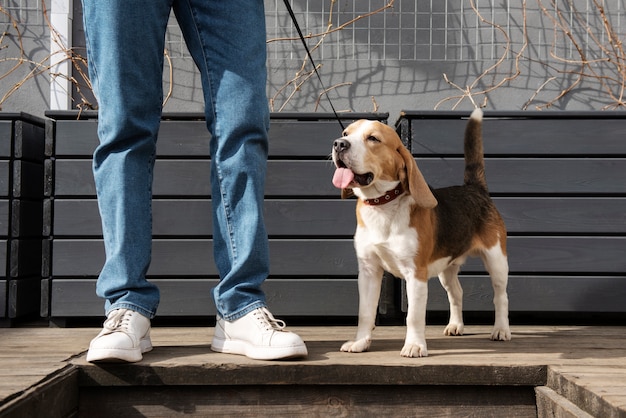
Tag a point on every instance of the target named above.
point(501, 334)
point(358, 346)
point(414, 350)
point(454, 329)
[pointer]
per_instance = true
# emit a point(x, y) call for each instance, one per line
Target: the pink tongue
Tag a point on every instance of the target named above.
point(342, 178)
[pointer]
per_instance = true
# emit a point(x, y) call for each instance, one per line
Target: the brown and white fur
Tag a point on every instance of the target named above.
point(420, 234)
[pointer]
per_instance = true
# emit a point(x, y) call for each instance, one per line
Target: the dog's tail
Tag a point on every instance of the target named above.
point(474, 159)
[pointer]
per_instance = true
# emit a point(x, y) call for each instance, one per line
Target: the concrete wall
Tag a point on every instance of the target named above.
point(396, 59)
point(32, 32)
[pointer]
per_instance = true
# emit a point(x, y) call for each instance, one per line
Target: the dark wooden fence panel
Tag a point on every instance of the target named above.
point(22, 154)
point(313, 267)
point(556, 177)
point(558, 180)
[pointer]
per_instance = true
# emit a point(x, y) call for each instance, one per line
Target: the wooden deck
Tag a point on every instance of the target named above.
point(566, 370)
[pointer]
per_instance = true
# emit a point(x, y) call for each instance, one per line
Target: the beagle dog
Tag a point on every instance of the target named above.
point(414, 232)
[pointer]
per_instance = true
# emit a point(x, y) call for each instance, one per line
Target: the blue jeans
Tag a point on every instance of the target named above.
point(125, 43)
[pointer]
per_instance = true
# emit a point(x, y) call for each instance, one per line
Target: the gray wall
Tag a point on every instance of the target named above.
point(33, 95)
point(396, 59)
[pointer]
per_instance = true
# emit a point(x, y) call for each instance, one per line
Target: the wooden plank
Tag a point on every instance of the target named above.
point(48, 180)
point(312, 297)
point(336, 257)
point(5, 175)
point(176, 138)
point(46, 257)
point(4, 295)
point(28, 180)
point(300, 179)
point(562, 254)
point(191, 178)
point(538, 293)
point(25, 257)
point(551, 404)
point(310, 217)
point(4, 254)
point(170, 217)
point(302, 139)
point(536, 176)
point(544, 215)
point(26, 218)
point(191, 138)
point(192, 297)
point(54, 396)
point(312, 400)
point(194, 257)
point(180, 138)
point(5, 220)
point(192, 217)
point(171, 178)
point(29, 141)
point(44, 308)
point(75, 138)
point(6, 138)
point(24, 296)
point(296, 297)
point(596, 391)
point(313, 178)
point(522, 137)
point(334, 217)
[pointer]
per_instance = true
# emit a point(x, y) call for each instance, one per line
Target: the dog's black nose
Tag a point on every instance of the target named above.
point(340, 145)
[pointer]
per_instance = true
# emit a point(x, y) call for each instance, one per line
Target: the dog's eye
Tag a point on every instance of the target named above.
point(372, 138)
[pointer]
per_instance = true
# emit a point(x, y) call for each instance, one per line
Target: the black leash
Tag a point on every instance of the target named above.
point(306, 47)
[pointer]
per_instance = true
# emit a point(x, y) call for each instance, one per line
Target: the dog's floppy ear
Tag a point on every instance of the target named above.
point(415, 183)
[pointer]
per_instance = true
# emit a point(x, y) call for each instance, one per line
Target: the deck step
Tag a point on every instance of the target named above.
point(194, 381)
point(579, 370)
point(552, 405)
point(595, 390)
point(308, 400)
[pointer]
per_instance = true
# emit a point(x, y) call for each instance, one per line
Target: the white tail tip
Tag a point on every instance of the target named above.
point(477, 114)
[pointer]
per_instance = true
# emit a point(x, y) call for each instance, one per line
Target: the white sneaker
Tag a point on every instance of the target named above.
point(124, 337)
point(257, 335)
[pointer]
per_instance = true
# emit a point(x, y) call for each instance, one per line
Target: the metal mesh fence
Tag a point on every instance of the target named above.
point(24, 11)
point(440, 30)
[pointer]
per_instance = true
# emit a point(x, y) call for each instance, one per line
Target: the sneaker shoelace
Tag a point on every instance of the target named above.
point(265, 317)
point(118, 320)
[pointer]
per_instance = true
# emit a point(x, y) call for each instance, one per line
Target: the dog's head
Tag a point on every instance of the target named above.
point(371, 159)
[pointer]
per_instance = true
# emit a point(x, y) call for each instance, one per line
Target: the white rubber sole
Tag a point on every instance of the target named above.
point(257, 353)
point(117, 355)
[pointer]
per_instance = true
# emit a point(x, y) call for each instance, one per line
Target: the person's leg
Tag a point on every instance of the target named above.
point(125, 41)
point(227, 41)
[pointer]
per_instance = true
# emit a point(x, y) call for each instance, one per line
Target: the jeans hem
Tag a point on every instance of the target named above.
point(244, 311)
point(124, 305)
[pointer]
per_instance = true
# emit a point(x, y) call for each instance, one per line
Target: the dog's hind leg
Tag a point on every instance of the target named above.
point(497, 265)
point(449, 279)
